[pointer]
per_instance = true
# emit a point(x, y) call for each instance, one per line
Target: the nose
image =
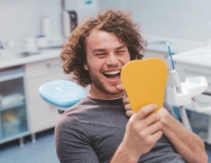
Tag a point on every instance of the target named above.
point(112, 59)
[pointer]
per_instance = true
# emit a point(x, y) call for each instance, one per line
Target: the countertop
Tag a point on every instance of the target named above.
point(199, 56)
point(43, 55)
point(157, 43)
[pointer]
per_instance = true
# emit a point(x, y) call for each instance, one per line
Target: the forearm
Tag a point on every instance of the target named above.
point(186, 143)
point(123, 155)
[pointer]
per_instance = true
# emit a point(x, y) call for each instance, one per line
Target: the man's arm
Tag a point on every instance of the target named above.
point(142, 132)
point(185, 142)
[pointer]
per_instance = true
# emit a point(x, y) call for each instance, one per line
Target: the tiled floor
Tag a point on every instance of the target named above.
point(43, 151)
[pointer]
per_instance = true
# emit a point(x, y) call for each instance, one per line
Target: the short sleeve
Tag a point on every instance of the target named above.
point(72, 143)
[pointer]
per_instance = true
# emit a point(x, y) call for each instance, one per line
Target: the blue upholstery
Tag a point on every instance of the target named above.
point(61, 93)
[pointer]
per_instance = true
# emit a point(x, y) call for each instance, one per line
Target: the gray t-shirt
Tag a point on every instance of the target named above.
point(91, 131)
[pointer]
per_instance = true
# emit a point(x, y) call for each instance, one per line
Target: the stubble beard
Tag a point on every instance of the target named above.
point(100, 85)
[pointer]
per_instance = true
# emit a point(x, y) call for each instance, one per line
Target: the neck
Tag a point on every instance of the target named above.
point(90, 95)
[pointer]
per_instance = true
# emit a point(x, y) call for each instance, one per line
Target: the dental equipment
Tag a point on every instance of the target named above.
point(61, 93)
point(185, 93)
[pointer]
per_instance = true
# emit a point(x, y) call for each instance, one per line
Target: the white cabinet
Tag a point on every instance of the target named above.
point(41, 116)
point(31, 114)
point(13, 119)
point(20, 79)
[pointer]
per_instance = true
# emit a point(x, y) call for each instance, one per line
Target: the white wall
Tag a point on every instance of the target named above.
point(185, 19)
point(21, 18)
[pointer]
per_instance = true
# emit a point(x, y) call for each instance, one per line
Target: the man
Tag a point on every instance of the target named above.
point(97, 129)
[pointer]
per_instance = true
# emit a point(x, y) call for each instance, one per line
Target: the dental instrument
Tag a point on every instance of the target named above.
point(186, 92)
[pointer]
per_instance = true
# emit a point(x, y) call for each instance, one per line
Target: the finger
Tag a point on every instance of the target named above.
point(148, 120)
point(151, 118)
point(155, 136)
point(152, 129)
point(127, 107)
point(120, 87)
point(126, 100)
point(129, 113)
point(146, 110)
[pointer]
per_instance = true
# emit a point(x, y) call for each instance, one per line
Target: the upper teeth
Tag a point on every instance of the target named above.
point(112, 72)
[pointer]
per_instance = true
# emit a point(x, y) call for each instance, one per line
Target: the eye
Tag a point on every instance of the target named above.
point(100, 55)
point(120, 51)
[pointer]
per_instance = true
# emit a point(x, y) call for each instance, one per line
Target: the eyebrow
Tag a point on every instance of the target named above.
point(98, 50)
point(123, 46)
point(103, 50)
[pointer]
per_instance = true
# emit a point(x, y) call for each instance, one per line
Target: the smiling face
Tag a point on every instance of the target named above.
point(106, 56)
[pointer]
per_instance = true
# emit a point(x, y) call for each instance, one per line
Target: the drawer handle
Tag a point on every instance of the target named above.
point(50, 65)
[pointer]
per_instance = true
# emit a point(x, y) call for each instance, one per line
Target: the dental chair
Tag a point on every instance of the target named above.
point(61, 93)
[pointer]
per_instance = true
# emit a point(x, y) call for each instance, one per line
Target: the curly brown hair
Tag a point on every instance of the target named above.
point(119, 23)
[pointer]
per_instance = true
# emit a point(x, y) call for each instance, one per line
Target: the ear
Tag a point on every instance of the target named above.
point(85, 66)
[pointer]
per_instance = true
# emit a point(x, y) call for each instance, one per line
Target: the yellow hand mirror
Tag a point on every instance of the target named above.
point(144, 82)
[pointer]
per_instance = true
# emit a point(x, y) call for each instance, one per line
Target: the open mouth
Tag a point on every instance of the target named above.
point(112, 74)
